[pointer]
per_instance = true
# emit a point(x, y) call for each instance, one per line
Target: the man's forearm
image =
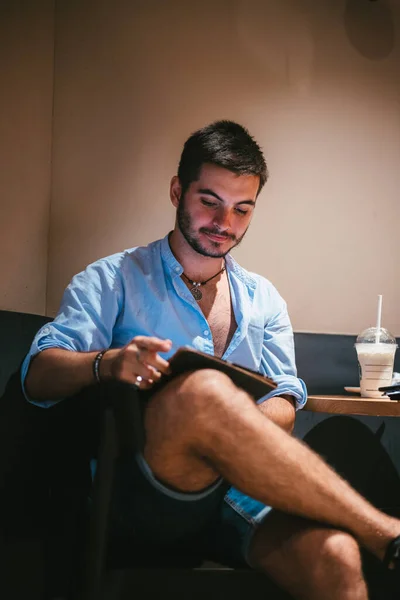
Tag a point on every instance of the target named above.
point(57, 373)
point(281, 410)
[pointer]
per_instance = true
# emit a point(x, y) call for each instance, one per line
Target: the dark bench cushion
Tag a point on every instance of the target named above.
point(328, 362)
point(17, 331)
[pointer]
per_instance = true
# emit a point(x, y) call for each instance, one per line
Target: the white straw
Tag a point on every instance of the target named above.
point(378, 320)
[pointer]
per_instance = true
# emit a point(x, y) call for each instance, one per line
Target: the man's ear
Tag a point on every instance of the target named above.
point(175, 191)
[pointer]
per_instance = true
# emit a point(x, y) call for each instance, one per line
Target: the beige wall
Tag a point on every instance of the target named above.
point(133, 79)
point(26, 96)
point(316, 83)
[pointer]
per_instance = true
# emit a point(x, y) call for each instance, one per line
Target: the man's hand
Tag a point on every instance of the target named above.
point(139, 358)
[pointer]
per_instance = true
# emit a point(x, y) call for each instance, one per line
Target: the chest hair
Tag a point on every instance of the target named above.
point(216, 306)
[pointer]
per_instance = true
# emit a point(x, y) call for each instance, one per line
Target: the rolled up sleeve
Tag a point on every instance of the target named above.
point(278, 357)
point(87, 314)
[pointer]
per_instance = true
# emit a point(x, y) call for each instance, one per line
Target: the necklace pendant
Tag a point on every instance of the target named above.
point(196, 293)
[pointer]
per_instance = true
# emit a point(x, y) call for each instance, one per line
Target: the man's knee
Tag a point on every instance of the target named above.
point(335, 569)
point(339, 563)
point(205, 384)
point(195, 393)
point(194, 405)
point(342, 549)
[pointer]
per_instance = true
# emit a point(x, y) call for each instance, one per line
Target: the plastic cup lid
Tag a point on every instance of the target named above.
point(368, 336)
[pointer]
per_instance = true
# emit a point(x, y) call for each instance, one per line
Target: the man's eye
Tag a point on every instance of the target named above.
point(241, 212)
point(207, 203)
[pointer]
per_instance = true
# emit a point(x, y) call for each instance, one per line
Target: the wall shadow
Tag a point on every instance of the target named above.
point(369, 26)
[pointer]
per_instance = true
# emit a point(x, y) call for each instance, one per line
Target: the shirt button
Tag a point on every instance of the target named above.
point(206, 332)
point(177, 269)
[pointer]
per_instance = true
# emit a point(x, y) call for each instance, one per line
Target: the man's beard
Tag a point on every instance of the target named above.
point(185, 225)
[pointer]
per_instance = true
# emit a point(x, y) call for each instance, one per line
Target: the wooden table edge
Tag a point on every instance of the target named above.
point(353, 405)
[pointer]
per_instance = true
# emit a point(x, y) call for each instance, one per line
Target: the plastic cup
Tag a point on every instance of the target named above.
point(375, 360)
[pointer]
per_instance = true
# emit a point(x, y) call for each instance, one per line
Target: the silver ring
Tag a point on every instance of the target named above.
point(138, 381)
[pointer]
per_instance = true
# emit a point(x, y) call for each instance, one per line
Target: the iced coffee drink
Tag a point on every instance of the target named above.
point(375, 351)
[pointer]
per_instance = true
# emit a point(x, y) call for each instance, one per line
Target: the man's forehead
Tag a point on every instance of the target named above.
point(213, 175)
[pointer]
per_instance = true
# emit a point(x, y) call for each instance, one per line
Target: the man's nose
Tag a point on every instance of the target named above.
point(223, 219)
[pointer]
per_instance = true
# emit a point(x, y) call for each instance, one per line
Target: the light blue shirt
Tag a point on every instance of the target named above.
point(140, 292)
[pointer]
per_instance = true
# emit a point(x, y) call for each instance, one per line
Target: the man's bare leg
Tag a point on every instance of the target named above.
point(308, 560)
point(201, 426)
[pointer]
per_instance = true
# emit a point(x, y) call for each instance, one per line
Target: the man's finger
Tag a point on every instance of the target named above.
point(152, 344)
point(152, 359)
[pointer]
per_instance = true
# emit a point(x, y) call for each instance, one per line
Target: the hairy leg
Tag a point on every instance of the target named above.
point(308, 560)
point(201, 426)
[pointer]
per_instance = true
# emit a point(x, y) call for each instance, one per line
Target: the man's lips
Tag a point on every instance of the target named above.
point(217, 238)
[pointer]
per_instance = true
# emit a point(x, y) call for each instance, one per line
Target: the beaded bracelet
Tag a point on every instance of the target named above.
point(96, 365)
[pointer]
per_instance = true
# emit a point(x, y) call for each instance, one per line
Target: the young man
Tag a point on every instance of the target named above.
point(214, 460)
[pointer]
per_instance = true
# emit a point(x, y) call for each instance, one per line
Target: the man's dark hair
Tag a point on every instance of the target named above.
point(225, 144)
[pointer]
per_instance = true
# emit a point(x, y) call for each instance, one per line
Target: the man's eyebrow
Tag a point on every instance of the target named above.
point(209, 192)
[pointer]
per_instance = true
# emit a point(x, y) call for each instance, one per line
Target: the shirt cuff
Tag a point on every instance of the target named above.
point(296, 388)
point(24, 371)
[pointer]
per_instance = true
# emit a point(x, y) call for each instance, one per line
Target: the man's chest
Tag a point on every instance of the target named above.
point(218, 310)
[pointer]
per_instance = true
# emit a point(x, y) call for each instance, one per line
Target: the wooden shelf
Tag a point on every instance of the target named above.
point(353, 405)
